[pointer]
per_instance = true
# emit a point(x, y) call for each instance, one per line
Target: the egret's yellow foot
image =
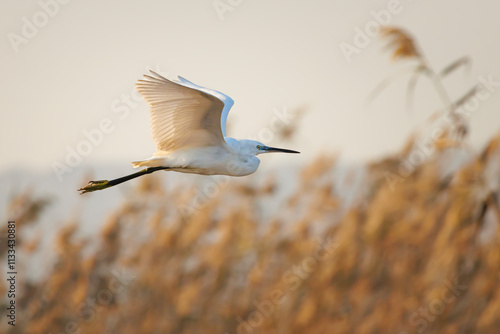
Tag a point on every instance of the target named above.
point(95, 185)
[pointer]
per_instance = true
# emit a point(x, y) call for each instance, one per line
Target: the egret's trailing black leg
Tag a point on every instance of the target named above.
point(103, 184)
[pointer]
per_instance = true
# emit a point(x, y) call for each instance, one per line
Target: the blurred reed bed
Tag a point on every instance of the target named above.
point(415, 252)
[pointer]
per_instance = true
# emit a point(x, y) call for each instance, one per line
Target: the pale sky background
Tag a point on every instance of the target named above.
point(266, 55)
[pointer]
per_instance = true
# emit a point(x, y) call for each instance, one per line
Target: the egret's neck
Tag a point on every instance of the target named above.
point(244, 160)
point(233, 145)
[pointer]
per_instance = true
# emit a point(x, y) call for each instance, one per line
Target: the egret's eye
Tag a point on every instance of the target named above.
point(258, 147)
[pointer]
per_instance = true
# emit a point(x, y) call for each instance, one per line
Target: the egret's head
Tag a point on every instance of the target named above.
point(254, 147)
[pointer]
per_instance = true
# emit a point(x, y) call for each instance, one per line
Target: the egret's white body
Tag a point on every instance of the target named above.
point(231, 158)
point(188, 123)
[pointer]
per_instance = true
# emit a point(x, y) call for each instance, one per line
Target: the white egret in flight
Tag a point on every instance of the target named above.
point(188, 123)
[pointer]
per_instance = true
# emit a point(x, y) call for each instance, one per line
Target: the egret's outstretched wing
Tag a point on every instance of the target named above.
point(181, 116)
point(228, 102)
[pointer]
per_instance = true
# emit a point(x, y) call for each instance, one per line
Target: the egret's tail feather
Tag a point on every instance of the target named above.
point(137, 164)
point(152, 162)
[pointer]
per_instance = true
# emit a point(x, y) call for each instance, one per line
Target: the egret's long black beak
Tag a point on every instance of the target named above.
point(268, 149)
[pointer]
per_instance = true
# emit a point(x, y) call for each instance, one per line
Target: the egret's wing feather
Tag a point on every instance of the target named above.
point(228, 102)
point(181, 116)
